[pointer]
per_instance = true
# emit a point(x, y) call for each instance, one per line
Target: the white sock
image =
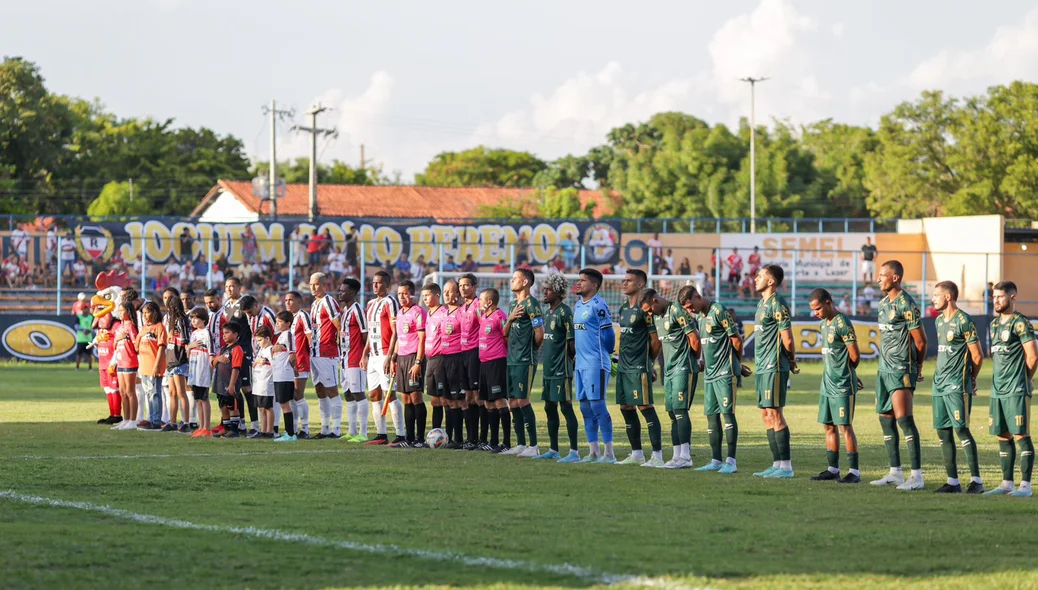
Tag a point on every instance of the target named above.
point(786, 465)
point(324, 406)
point(776, 464)
point(639, 455)
point(1025, 486)
point(397, 409)
point(336, 411)
point(674, 456)
point(594, 448)
point(1007, 484)
point(165, 402)
point(609, 449)
point(917, 473)
point(730, 460)
point(953, 481)
point(192, 417)
point(895, 471)
point(855, 472)
point(142, 402)
point(277, 415)
point(362, 417)
point(657, 455)
point(380, 420)
point(351, 417)
point(976, 480)
point(834, 470)
point(686, 452)
point(302, 414)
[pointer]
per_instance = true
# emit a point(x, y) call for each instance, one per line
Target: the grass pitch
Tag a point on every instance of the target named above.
point(82, 506)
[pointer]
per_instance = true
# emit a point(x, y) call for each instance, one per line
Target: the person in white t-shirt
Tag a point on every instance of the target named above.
point(173, 268)
point(52, 245)
point(263, 382)
point(20, 242)
point(79, 272)
point(285, 373)
point(200, 351)
point(68, 255)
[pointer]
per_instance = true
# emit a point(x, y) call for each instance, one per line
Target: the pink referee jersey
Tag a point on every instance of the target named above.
point(409, 322)
point(470, 323)
point(492, 336)
point(434, 331)
point(451, 329)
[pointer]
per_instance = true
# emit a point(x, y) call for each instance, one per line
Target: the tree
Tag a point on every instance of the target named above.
point(337, 172)
point(482, 166)
point(118, 198)
point(839, 152)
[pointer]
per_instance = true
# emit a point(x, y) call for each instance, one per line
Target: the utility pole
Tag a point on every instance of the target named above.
point(753, 151)
point(272, 178)
point(363, 162)
point(314, 131)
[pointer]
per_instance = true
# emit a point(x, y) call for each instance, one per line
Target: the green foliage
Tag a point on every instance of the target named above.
point(482, 166)
point(119, 198)
point(337, 172)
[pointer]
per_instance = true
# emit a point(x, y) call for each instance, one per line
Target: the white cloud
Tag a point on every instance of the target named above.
point(838, 30)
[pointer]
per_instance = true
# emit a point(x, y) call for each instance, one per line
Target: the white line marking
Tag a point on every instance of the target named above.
point(175, 455)
point(276, 535)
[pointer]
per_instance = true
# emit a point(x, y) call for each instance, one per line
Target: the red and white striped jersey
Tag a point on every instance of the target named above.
point(353, 331)
point(216, 321)
point(381, 313)
point(301, 324)
point(264, 318)
point(324, 342)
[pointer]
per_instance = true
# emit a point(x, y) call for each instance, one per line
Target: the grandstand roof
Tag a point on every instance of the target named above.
point(341, 200)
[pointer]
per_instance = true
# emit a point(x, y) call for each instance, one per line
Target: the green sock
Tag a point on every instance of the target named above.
point(771, 443)
point(571, 424)
point(852, 460)
point(652, 424)
point(1026, 458)
point(675, 438)
point(731, 432)
point(517, 423)
point(1007, 457)
point(634, 428)
point(915, 454)
point(969, 446)
point(714, 434)
point(684, 422)
point(890, 439)
point(833, 458)
point(782, 444)
point(551, 410)
point(948, 452)
point(531, 424)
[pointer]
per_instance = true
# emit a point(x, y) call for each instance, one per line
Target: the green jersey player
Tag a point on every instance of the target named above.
point(722, 350)
point(525, 333)
point(959, 358)
point(639, 346)
point(775, 357)
point(680, 344)
point(1014, 357)
point(902, 349)
point(839, 388)
point(557, 354)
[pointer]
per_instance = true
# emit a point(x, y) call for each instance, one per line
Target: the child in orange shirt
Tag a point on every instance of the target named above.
point(151, 351)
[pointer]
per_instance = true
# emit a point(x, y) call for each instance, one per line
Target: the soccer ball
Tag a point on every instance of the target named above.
point(436, 438)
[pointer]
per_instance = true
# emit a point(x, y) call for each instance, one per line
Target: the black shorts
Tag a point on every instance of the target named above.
point(433, 385)
point(403, 374)
point(245, 373)
point(284, 391)
point(472, 370)
point(201, 393)
point(81, 348)
point(264, 402)
point(454, 375)
point(493, 378)
point(226, 401)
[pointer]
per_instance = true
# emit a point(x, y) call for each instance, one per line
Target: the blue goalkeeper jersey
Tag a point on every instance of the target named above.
point(593, 335)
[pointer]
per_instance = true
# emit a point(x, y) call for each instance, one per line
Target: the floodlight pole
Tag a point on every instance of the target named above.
point(753, 151)
point(314, 131)
point(272, 177)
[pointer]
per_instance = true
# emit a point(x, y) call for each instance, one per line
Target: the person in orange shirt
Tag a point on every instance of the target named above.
point(151, 351)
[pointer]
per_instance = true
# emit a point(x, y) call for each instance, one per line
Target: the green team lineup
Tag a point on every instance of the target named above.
point(480, 366)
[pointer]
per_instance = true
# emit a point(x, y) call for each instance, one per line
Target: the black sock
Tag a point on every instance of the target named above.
point(290, 423)
point(731, 432)
point(506, 425)
point(450, 423)
point(948, 452)
point(890, 440)
point(714, 434)
point(771, 443)
point(421, 417)
point(634, 428)
point(484, 425)
point(472, 424)
point(551, 410)
point(459, 424)
point(907, 424)
point(494, 427)
point(409, 422)
point(571, 423)
point(437, 417)
point(652, 424)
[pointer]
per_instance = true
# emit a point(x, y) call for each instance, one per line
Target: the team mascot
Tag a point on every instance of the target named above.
point(109, 286)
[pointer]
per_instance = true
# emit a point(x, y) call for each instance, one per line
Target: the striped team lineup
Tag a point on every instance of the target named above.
point(478, 367)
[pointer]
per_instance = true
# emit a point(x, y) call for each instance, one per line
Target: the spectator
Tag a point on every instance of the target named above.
point(52, 246)
point(989, 298)
point(522, 248)
point(350, 270)
point(699, 278)
point(864, 305)
point(301, 245)
point(754, 261)
point(846, 307)
point(216, 277)
point(201, 266)
point(352, 239)
point(20, 243)
point(469, 265)
point(746, 286)
point(68, 255)
point(449, 265)
point(686, 267)
point(418, 269)
point(79, 271)
point(13, 271)
point(403, 267)
point(248, 245)
point(734, 264)
point(868, 294)
point(313, 250)
point(501, 266)
point(868, 257)
point(713, 263)
point(81, 305)
point(655, 247)
point(160, 283)
point(669, 259)
point(664, 270)
point(337, 264)
point(569, 250)
point(187, 246)
point(557, 264)
point(116, 262)
point(619, 268)
point(708, 287)
point(173, 268)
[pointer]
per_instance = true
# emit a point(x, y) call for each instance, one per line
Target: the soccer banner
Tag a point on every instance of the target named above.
point(37, 338)
point(819, 256)
point(384, 241)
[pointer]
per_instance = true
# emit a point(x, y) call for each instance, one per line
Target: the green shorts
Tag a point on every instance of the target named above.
point(634, 389)
point(836, 410)
point(558, 390)
point(719, 396)
point(519, 379)
point(887, 384)
point(1010, 414)
point(679, 390)
point(771, 389)
point(952, 410)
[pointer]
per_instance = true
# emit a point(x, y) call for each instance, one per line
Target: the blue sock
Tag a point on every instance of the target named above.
point(605, 421)
point(590, 421)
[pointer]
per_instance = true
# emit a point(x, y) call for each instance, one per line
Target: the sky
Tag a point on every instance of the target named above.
point(410, 79)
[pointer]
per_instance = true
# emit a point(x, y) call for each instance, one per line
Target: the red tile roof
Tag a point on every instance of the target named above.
point(342, 200)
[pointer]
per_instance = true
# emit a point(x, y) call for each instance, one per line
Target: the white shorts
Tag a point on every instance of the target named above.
point(354, 380)
point(324, 372)
point(303, 375)
point(377, 377)
point(867, 266)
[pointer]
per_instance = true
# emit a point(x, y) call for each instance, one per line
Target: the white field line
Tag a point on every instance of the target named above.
point(582, 573)
point(175, 455)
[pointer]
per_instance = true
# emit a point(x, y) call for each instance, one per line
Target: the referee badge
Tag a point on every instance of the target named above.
point(1005, 335)
point(405, 328)
point(448, 328)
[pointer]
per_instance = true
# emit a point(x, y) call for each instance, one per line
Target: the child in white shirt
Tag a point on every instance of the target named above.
point(285, 373)
point(263, 383)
